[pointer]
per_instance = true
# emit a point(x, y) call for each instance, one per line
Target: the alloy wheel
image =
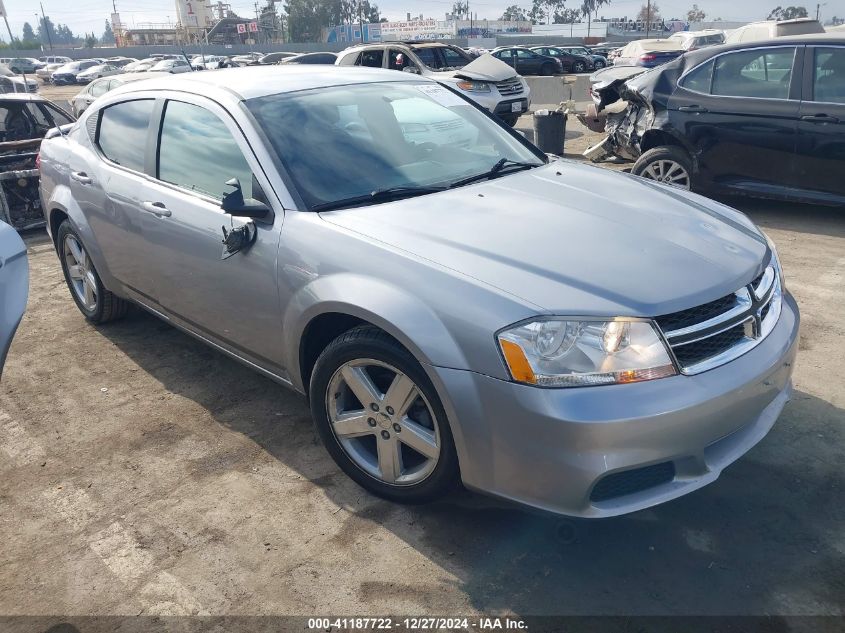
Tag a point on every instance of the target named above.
point(669, 172)
point(383, 422)
point(81, 272)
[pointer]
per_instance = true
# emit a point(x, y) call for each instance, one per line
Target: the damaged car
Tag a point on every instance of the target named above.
point(483, 313)
point(489, 82)
point(762, 119)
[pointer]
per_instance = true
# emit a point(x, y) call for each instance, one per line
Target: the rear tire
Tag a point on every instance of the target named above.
point(375, 440)
point(667, 164)
point(579, 67)
point(93, 299)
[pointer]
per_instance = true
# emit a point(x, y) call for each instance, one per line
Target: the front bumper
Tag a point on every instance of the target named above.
point(549, 448)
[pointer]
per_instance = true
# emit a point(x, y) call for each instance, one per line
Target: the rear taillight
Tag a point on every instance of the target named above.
point(38, 161)
point(648, 57)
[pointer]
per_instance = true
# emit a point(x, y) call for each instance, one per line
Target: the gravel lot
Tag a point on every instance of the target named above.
point(143, 473)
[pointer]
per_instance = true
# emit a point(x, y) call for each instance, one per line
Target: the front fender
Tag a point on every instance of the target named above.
point(389, 307)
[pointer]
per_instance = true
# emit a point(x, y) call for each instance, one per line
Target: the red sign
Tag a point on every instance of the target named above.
point(241, 28)
point(253, 27)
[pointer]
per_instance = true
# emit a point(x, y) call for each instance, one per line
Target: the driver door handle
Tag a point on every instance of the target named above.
point(81, 177)
point(692, 108)
point(156, 208)
point(820, 118)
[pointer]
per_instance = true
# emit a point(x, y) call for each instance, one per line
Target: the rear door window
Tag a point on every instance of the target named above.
point(122, 133)
point(829, 75)
point(428, 56)
point(762, 74)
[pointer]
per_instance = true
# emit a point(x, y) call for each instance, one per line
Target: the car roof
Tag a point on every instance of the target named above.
point(260, 81)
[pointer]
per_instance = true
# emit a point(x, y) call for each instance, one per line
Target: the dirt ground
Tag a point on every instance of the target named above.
point(143, 473)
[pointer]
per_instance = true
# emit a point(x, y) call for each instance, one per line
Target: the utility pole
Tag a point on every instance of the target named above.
point(648, 19)
point(8, 28)
point(46, 26)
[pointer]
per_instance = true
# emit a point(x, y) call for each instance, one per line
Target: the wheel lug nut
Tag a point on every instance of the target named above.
point(374, 406)
point(389, 410)
point(385, 435)
point(371, 421)
point(397, 428)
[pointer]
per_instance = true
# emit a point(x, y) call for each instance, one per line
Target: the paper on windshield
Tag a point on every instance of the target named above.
point(441, 95)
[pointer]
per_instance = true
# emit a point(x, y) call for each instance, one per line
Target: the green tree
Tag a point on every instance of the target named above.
point(460, 9)
point(90, 40)
point(514, 13)
point(108, 34)
point(695, 14)
point(545, 9)
point(567, 16)
point(28, 33)
point(787, 13)
point(649, 13)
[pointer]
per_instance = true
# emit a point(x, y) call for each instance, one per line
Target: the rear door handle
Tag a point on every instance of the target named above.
point(156, 208)
point(81, 177)
point(692, 108)
point(820, 118)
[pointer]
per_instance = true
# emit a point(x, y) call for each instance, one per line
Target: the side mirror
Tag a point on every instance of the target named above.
point(234, 203)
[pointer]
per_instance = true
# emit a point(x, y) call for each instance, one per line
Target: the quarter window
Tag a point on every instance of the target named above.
point(829, 75)
point(197, 152)
point(122, 135)
point(762, 74)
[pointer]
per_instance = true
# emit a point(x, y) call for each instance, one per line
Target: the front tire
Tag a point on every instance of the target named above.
point(547, 70)
point(579, 67)
point(96, 303)
point(599, 64)
point(381, 419)
point(667, 164)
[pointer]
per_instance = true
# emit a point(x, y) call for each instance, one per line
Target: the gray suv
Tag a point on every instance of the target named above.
point(454, 304)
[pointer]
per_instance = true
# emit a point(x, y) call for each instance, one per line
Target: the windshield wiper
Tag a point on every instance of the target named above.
point(500, 166)
point(379, 195)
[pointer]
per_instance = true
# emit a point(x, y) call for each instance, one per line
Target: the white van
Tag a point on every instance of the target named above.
point(770, 29)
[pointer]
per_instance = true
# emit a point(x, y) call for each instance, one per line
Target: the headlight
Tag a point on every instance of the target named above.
point(562, 353)
point(474, 86)
point(776, 261)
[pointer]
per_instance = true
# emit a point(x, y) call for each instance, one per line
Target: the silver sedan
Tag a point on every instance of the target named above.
point(456, 305)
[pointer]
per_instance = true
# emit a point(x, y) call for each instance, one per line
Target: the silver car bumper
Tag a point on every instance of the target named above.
point(554, 448)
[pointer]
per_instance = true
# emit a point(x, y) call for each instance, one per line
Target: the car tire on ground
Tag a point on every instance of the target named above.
point(93, 299)
point(510, 119)
point(381, 419)
point(547, 70)
point(16, 70)
point(599, 64)
point(579, 67)
point(667, 164)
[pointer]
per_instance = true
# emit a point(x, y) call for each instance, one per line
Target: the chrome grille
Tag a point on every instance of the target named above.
point(448, 125)
point(717, 332)
point(512, 86)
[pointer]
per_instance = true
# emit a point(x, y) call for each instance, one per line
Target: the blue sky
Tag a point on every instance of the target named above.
point(88, 15)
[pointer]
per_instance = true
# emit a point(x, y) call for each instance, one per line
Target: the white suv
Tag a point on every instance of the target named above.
point(489, 82)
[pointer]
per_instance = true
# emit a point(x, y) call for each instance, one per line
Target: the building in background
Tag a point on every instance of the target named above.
point(152, 34)
point(423, 29)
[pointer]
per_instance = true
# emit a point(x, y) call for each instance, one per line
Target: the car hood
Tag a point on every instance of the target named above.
point(484, 68)
point(575, 239)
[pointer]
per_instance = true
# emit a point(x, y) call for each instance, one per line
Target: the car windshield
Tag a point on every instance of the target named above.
point(345, 142)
